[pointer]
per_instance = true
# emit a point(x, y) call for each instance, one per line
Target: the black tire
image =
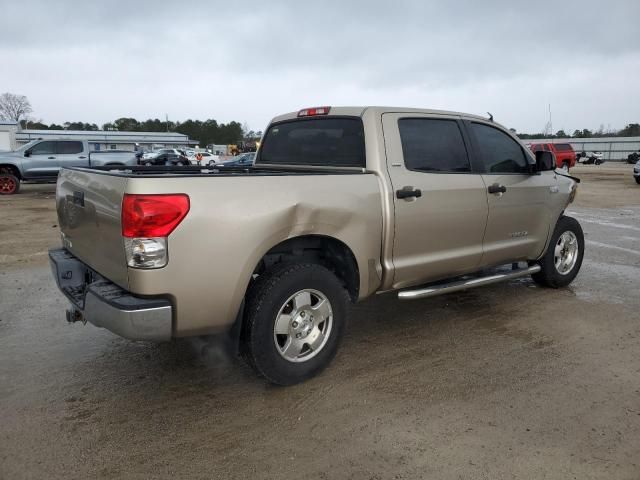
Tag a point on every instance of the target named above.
point(565, 166)
point(549, 276)
point(9, 184)
point(267, 296)
point(637, 180)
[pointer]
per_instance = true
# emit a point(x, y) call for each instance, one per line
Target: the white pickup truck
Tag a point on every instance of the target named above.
point(40, 160)
point(341, 203)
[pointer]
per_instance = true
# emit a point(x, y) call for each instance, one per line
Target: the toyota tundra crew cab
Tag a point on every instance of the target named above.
point(341, 203)
point(40, 160)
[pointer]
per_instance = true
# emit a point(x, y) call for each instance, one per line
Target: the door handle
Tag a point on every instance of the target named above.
point(82, 157)
point(495, 188)
point(51, 158)
point(408, 192)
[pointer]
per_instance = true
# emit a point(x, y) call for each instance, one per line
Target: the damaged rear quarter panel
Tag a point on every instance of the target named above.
point(234, 221)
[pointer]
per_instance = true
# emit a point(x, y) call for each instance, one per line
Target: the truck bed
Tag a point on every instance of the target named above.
point(236, 215)
point(217, 171)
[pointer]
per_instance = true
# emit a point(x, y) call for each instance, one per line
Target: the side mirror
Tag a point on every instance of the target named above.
point(545, 161)
point(27, 153)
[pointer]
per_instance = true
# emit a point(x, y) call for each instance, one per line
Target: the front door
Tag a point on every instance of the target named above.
point(42, 161)
point(438, 233)
point(519, 207)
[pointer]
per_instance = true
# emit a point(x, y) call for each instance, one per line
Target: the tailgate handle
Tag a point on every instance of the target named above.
point(408, 192)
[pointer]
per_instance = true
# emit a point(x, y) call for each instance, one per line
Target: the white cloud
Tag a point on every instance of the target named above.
point(250, 61)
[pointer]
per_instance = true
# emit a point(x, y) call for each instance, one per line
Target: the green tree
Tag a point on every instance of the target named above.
point(561, 134)
point(631, 130)
point(127, 124)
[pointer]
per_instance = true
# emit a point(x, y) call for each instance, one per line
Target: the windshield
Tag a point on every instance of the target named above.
point(328, 141)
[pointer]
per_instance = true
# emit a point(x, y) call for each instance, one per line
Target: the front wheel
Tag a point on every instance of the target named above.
point(9, 184)
point(563, 258)
point(295, 318)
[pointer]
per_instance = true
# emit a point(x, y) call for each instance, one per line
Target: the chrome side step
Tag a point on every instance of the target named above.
point(466, 284)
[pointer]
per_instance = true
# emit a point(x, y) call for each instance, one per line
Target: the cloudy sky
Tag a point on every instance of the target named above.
point(248, 61)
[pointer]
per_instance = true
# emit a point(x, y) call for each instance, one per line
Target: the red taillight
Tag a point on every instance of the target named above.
point(310, 112)
point(153, 215)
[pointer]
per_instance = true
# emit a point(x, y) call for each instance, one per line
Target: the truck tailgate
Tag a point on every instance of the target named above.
point(89, 206)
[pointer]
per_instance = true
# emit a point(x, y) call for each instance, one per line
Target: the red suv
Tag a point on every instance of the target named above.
point(565, 155)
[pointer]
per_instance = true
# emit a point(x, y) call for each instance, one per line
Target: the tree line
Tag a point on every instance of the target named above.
point(205, 132)
point(631, 130)
point(17, 107)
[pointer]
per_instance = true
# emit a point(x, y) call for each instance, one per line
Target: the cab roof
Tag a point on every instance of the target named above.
point(377, 110)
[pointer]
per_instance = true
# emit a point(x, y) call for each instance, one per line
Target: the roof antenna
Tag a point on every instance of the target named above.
point(490, 117)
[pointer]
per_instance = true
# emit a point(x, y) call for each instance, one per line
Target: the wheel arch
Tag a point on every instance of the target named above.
point(11, 169)
point(325, 250)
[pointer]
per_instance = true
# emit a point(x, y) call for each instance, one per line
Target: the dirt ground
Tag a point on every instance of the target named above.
point(507, 381)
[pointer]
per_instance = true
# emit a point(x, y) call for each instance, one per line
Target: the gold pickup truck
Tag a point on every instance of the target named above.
point(341, 203)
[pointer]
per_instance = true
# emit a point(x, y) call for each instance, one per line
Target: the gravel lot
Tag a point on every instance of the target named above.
point(507, 381)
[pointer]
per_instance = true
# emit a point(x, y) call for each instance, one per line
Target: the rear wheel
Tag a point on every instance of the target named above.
point(563, 258)
point(296, 315)
point(9, 184)
point(638, 180)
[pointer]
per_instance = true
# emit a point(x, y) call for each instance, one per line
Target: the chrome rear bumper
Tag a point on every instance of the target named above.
point(96, 300)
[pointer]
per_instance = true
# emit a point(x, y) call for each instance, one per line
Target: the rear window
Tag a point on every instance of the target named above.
point(433, 145)
point(329, 141)
point(69, 148)
point(563, 147)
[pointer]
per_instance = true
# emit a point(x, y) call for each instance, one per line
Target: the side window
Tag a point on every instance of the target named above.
point(44, 148)
point(563, 147)
point(499, 152)
point(69, 148)
point(433, 145)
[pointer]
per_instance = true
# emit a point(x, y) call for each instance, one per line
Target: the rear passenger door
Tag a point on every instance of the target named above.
point(438, 233)
point(71, 153)
point(519, 213)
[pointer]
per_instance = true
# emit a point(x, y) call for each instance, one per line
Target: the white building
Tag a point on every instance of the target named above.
point(112, 140)
point(8, 131)
point(12, 136)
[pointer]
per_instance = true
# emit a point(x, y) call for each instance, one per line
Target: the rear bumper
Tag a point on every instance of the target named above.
point(97, 300)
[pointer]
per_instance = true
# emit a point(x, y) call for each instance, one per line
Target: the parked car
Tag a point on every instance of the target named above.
point(207, 158)
point(166, 159)
point(155, 153)
point(590, 158)
point(636, 172)
point(40, 160)
point(242, 160)
point(633, 157)
point(341, 203)
point(564, 153)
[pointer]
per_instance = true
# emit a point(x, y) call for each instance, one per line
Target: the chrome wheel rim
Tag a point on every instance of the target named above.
point(566, 252)
point(303, 325)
